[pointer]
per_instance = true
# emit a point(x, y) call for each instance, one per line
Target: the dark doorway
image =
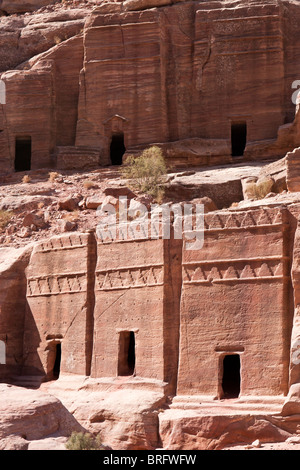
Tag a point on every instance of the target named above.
point(56, 368)
point(23, 154)
point(117, 149)
point(231, 376)
point(238, 138)
point(126, 362)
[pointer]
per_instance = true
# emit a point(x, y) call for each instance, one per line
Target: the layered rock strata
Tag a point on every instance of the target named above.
point(117, 74)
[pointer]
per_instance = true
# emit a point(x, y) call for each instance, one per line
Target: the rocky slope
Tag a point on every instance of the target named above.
point(27, 35)
point(38, 204)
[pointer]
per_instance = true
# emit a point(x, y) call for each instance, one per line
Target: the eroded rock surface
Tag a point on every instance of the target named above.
point(149, 51)
point(128, 335)
point(29, 415)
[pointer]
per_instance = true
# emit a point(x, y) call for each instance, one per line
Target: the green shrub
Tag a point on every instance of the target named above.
point(83, 441)
point(147, 172)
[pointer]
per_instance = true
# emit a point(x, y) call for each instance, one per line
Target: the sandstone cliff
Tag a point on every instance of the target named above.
point(134, 85)
point(137, 338)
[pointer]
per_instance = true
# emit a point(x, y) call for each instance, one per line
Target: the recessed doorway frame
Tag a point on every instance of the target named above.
point(54, 358)
point(238, 138)
point(221, 354)
point(239, 118)
point(117, 148)
point(123, 368)
point(23, 153)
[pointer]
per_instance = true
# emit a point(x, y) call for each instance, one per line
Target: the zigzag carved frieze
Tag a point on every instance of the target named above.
point(64, 243)
point(237, 270)
point(125, 278)
point(242, 220)
point(56, 284)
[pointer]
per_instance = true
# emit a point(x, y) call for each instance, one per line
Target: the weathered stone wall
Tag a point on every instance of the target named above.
point(122, 78)
point(236, 50)
point(21, 6)
point(235, 300)
point(12, 307)
point(82, 296)
point(294, 376)
point(60, 305)
point(67, 60)
point(42, 104)
point(128, 72)
point(187, 309)
point(220, 52)
point(29, 113)
point(137, 289)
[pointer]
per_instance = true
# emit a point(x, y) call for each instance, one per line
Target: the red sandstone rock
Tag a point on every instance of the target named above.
point(130, 5)
point(119, 191)
point(95, 201)
point(137, 209)
point(70, 203)
point(110, 202)
point(78, 119)
point(139, 320)
point(34, 219)
point(37, 33)
point(21, 6)
point(13, 288)
point(292, 403)
point(29, 415)
point(190, 430)
point(24, 202)
point(66, 225)
point(208, 203)
point(25, 232)
point(292, 164)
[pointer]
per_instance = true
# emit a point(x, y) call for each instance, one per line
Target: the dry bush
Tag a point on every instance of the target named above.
point(53, 175)
point(88, 184)
point(26, 179)
point(263, 187)
point(147, 172)
point(83, 441)
point(71, 216)
point(258, 188)
point(5, 218)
